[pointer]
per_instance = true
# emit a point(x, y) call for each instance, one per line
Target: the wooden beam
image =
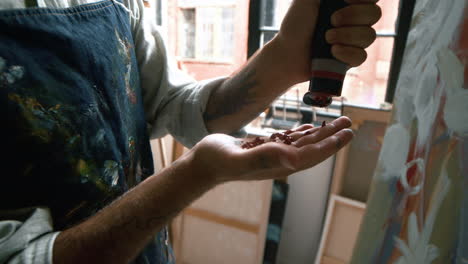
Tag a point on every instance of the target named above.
point(162, 152)
point(330, 260)
point(341, 162)
point(216, 218)
point(177, 150)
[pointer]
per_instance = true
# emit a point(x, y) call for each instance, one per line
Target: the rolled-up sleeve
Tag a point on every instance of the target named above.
point(26, 236)
point(174, 102)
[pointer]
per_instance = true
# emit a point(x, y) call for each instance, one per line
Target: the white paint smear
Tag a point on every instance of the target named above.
point(456, 114)
point(419, 249)
point(393, 155)
point(451, 71)
point(427, 100)
point(404, 111)
point(452, 17)
point(456, 106)
point(427, 53)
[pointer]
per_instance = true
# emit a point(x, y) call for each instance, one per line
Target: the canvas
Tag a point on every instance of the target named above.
point(418, 206)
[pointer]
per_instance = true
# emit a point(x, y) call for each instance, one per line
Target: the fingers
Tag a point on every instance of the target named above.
point(324, 132)
point(353, 32)
point(313, 145)
point(349, 43)
point(297, 135)
point(350, 55)
point(299, 131)
point(325, 148)
point(357, 15)
point(359, 37)
point(276, 160)
point(303, 127)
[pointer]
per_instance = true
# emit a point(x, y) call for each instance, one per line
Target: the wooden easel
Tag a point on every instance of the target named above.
point(344, 214)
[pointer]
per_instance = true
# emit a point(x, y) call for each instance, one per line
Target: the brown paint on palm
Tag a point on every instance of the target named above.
point(283, 137)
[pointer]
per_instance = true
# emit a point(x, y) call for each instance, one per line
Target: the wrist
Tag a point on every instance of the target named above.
point(280, 71)
point(201, 174)
point(291, 59)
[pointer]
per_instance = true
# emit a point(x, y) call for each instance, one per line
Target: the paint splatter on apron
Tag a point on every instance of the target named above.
point(73, 114)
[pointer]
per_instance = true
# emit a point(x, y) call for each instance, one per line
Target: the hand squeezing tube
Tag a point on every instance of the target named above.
point(327, 73)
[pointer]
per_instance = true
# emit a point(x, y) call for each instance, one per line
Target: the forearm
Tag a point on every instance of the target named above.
point(119, 232)
point(285, 61)
point(244, 95)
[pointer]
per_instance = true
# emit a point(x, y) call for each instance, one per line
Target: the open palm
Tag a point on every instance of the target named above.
point(222, 157)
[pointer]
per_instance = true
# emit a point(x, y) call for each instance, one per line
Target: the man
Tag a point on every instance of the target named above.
point(85, 82)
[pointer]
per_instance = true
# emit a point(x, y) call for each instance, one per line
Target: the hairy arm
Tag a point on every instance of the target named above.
point(248, 92)
point(119, 232)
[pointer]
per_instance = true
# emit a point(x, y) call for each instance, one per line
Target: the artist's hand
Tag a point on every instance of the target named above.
point(221, 158)
point(352, 33)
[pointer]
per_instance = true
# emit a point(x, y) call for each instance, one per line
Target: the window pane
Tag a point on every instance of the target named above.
point(389, 16)
point(266, 36)
point(273, 11)
point(158, 12)
point(367, 83)
point(268, 13)
point(205, 31)
point(187, 33)
point(227, 33)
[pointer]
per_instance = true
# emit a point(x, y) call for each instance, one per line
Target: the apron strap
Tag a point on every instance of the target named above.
point(133, 15)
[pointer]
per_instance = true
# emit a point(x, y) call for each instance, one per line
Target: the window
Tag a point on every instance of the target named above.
point(206, 31)
point(370, 84)
point(187, 36)
point(207, 37)
point(159, 13)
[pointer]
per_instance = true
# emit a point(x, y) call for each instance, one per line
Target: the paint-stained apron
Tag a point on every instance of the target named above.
point(73, 118)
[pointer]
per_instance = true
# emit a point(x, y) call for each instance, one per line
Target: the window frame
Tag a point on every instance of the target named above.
point(196, 6)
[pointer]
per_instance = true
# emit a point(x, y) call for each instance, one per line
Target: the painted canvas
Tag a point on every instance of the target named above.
point(418, 206)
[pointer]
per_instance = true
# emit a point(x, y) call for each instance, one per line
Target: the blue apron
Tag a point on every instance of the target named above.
point(72, 113)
